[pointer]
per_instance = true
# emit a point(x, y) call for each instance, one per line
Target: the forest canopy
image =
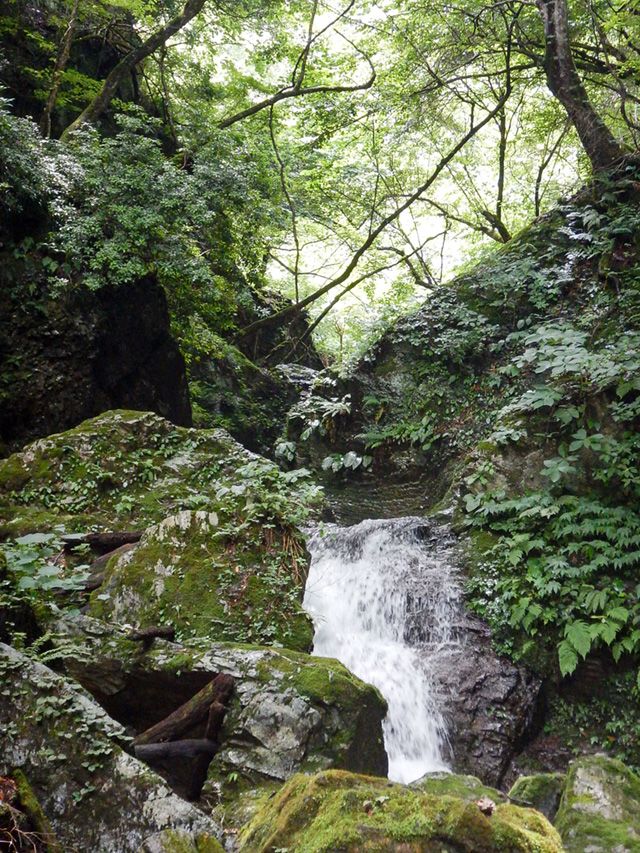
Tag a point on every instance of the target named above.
point(350, 156)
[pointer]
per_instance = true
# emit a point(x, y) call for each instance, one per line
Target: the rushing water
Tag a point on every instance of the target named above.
point(383, 596)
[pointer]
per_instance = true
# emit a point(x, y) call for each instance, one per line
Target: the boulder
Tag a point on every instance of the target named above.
point(492, 706)
point(600, 807)
point(465, 787)
point(87, 351)
point(222, 557)
point(94, 794)
point(335, 810)
point(207, 583)
point(289, 712)
point(541, 791)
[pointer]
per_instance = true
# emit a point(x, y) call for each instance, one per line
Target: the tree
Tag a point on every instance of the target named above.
point(565, 83)
point(99, 104)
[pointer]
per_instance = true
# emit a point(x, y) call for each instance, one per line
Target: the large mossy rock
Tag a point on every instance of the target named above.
point(542, 791)
point(187, 571)
point(600, 807)
point(94, 794)
point(120, 470)
point(338, 811)
point(221, 558)
point(290, 711)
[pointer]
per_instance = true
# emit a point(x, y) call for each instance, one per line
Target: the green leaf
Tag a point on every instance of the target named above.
point(567, 658)
point(578, 634)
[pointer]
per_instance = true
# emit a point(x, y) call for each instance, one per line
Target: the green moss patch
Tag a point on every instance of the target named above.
point(336, 810)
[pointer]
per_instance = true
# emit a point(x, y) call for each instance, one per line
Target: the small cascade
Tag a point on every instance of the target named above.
point(383, 595)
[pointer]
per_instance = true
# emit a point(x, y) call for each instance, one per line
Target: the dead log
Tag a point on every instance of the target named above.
point(100, 563)
point(105, 542)
point(146, 636)
point(218, 690)
point(183, 763)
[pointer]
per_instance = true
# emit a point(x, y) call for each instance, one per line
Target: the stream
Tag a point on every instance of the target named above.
point(383, 595)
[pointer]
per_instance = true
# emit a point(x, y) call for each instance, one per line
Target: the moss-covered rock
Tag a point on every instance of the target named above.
point(223, 558)
point(338, 811)
point(459, 785)
point(541, 791)
point(127, 469)
point(94, 794)
point(208, 583)
point(290, 711)
point(600, 807)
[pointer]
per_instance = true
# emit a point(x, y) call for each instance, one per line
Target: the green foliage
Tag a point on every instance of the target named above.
point(36, 563)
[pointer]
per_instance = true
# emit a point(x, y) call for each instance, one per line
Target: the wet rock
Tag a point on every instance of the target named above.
point(541, 791)
point(492, 706)
point(86, 352)
point(600, 807)
point(95, 795)
point(335, 810)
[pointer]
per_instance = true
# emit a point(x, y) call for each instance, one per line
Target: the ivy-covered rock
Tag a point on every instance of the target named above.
point(335, 810)
point(542, 791)
point(290, 711)
point(600, 807)
point(94, 794)
point(207, 582)
point(124, 470)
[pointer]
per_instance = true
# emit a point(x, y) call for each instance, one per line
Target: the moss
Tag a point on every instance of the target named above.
point(457, 785)
point(600, 807)
point(208, 584)
point(541, 791)
point(338, 811)
point(31, 807)
point(178, 842)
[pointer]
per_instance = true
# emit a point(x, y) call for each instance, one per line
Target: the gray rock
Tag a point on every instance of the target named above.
point(97, 797)
point(290, 711)
point(600, 807)
point(491, 705)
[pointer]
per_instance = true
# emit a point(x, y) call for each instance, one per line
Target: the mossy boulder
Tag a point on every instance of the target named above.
point(289, 712)
point(459, 785)
point(541, 791)
point(339, 811)
point(600, 807)
point(206, 582)
point(73, 757)
point(124, 470)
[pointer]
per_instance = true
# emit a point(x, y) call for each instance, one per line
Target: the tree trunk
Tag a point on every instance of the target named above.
point(564, 82)
point(58, 71)
point(129, 62)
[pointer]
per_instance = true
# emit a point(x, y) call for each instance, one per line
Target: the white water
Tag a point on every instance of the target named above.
point(370, 588)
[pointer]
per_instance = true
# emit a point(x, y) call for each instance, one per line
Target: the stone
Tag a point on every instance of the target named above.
point(600, 807)
point(86, 352)
point(491, 704)
point(205, 583)
point(335, 810)
point(289, 711)
point(95, 795)
point(542, 791)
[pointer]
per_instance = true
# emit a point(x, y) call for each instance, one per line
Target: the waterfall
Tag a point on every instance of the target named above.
point(383, 596)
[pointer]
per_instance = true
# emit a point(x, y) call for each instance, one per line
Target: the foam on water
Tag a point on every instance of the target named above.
point(373, 589)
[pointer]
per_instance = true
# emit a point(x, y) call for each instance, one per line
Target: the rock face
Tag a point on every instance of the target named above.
point(290, 711)
point(339, 811)
point(206, 583)
point(95, 795)
point(600, 807)
point(85, 353)
point(492, 705)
